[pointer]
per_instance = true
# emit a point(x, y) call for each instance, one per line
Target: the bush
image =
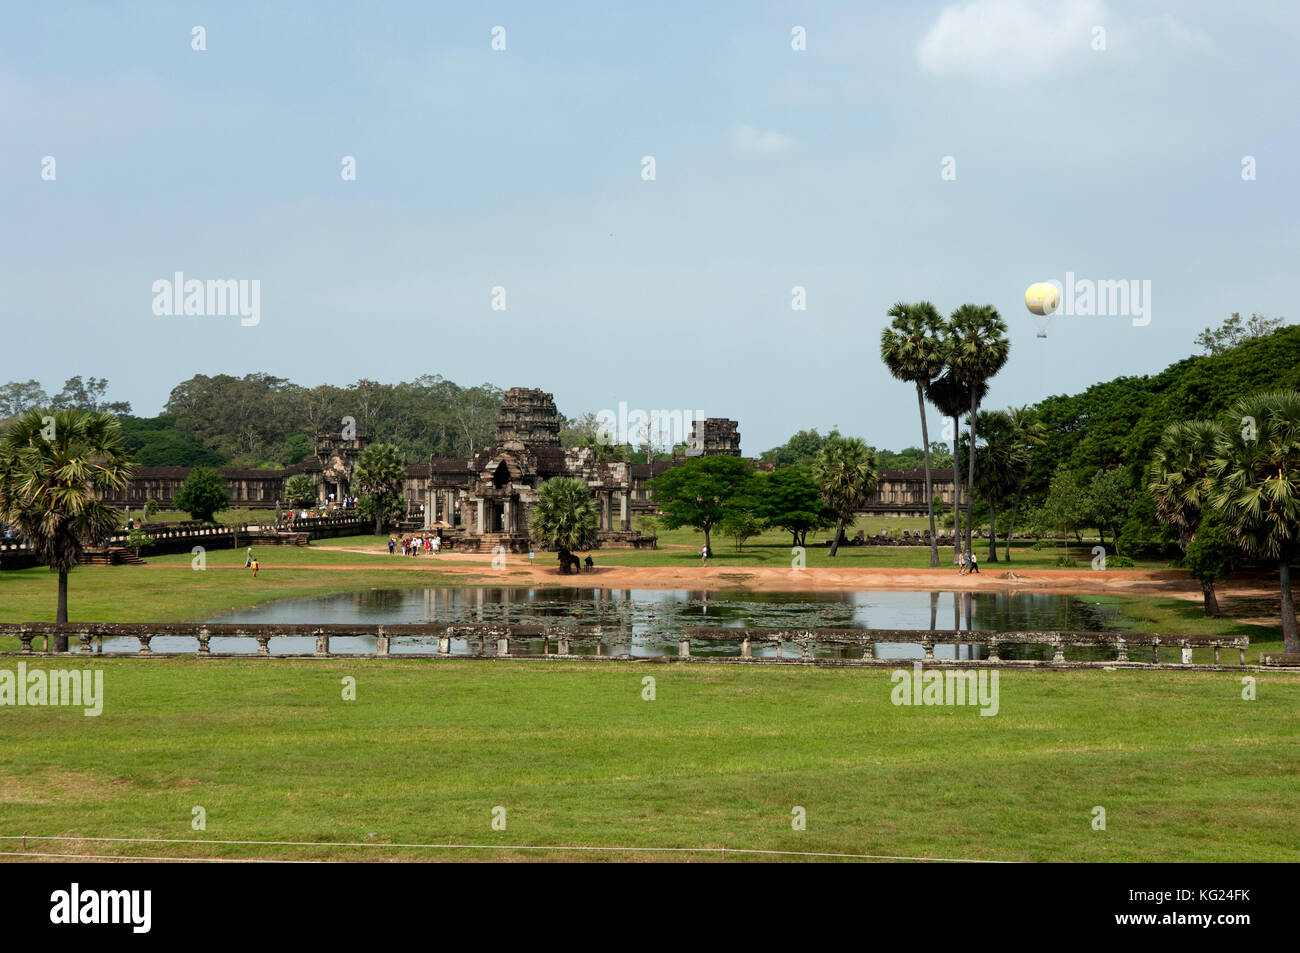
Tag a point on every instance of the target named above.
point(1065, 562)
point(1122, 562)
point(203, 494)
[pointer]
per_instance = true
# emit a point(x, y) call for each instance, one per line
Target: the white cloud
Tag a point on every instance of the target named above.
point(749, 139)
point(1010, 40)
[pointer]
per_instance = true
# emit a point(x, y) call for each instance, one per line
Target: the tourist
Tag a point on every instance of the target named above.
point(961, 563)
point(392, 545)
point(974, 564)
point(590, 562)
point(248, 557)
point(704, 556)
point(437, 544)
point(254, 568)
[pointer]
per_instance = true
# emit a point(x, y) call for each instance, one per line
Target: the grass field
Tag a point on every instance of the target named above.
point(1185, 769)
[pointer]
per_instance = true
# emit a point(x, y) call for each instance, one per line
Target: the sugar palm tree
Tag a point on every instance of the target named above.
point(1028, 433)
point(977, 349)
point(378, 475)
point(1255, 486)
point(1179, 474)
point(844, 471)
point(53, 464)
point(910, 347)
point(951, 396)
point(564, 518)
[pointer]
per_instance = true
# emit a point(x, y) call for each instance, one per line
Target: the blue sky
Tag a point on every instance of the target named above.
point(522, 168)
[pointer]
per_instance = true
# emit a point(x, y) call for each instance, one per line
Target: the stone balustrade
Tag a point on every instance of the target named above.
point(495, 640)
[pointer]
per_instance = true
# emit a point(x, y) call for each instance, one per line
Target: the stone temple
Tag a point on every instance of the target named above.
point(487, 501)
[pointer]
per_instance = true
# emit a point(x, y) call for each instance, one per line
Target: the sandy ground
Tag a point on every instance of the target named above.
point(1237, 596)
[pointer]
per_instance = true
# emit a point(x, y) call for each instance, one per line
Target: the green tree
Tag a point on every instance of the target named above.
point(999, 464)
point(740, 525)
point(564, 518)
point(52, 466)
point(202, 494)
point(788, 499)
point(1255, 479)
point(1066, 507)
point(1212, 554)
point(844, 472)
point(1236, 331)
point(800, 448)
point(378, 474)
point(703, 491)
point(1179, 475)
point(976, 348)
point(951, 396)
point(1110, 494)
point(912, 349)
point(299, 491)
point(1028, 434)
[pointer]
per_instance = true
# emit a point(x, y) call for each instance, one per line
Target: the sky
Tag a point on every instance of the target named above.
point(951, 152)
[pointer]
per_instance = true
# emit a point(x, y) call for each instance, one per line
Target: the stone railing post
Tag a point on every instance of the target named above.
point(84, 638)
point(263, 644)
point(1121, 650)
point(805, 644)
point(993, 651)
point(322, 643)
point(503, 646)
point(144, 644)
point(1058, 654)
point(745, 650)
point(928, 646)
point(381, 642)
point(1216, 653)
point(683, 648)
point(204, 638)
point(444, 645)
point(562, 645)
point(26, 639)
point(1186, 653)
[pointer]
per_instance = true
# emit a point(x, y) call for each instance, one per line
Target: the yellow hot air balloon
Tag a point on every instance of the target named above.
point(1042, 298)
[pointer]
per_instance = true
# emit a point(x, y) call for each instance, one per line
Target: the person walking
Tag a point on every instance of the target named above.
point(254, 568)
point(704, 556)
point(248, 558)
point(392, 545)
point(961, 564)
point(974, 564)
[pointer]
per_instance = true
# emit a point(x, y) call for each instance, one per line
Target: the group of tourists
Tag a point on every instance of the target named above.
point(414, 545)
point(967, 563)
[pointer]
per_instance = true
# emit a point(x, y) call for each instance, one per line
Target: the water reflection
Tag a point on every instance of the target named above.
point(645, 622)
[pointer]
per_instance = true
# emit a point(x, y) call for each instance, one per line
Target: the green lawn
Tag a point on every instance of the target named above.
point(1185, 769)
point(680, 547)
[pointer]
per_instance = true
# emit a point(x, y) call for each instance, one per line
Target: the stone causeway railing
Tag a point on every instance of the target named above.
point(488, 640)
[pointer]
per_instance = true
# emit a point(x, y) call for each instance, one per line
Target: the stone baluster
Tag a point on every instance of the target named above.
point(503, 646)
point(381, 641)
point(745, 650)
point(993, 651)
point(777, 646)
point(562, 644)
point(1121, 650)
point(683, 648)
point(84, 638)
point(1216, 653)
point(263, 644)
point(806, 645)
point(928, 646)
point(322, 643)
point(1186, 653)
point(444, 644)
point(26, 639)
point(204, 638)
point(144, 644)
point(1058, 653)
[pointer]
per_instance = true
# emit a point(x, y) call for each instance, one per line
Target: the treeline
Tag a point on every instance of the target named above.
point(262, 421)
